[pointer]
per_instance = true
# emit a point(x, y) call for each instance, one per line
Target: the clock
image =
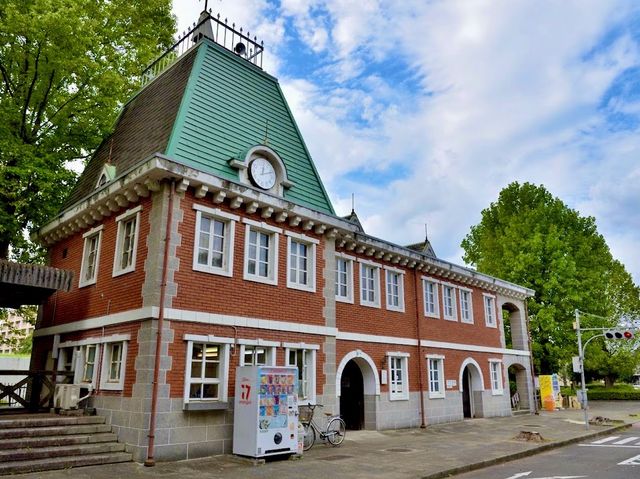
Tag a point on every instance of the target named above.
point(262, 173)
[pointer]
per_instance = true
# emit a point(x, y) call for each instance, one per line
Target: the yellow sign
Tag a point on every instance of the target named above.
point(546, 392)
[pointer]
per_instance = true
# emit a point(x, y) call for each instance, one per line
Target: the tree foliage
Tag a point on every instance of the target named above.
point(531, 238)
point(66, 67)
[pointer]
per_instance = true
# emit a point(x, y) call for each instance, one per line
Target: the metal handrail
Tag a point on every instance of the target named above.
point(250, 50)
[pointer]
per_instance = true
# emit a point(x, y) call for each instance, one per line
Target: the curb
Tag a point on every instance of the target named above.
point(522, 454)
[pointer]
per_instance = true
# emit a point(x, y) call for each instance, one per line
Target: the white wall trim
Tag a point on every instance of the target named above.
point(371, 338)
point(301, 346)
point(128, 213)
point(375, 379)
point(471, 347)
point(93, 231)
point(434, 356)
point(262, 225)
point(114, 338)
point(207, 338)
point(258, 342)
point(215, 212)
point(301, 237)
point(398, 354)
point(148, 312)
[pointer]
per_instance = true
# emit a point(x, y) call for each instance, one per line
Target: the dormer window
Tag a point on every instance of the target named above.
point(262, 167)
point(107, 174)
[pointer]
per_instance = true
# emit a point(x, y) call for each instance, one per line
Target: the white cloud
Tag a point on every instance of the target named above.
point(507, 91)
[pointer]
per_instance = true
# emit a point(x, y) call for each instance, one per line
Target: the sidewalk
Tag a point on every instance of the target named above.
point(435, 452)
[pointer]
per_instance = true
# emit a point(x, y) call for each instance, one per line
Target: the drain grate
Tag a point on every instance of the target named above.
point(399, 449)
point(336, 457)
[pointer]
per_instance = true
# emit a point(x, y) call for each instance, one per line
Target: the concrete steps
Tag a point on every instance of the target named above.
point(47, 442)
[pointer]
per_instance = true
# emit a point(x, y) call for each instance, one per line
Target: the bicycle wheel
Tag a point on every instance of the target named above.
point(336, 430)
point(309, 437)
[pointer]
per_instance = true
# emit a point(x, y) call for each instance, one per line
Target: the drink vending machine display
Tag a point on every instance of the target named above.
point(265, 419)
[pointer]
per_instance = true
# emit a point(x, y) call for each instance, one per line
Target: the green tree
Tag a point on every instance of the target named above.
point(66, 67)
point(533, 239)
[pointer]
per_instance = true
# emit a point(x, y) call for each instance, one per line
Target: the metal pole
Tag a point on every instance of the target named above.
point(584, 386)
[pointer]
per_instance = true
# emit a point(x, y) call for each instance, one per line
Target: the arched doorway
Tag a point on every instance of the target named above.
point(471, 387)
point(519, 387)
point(358, 388)
point(466, 394)
point(352, 396)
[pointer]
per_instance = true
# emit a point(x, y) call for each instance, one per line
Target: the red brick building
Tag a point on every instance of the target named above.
point(203, 213)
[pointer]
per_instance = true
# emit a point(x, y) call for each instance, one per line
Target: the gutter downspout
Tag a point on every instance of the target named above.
point(156, 367)
point(423, 424)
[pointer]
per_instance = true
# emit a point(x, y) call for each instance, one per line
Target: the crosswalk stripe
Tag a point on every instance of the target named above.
point(606, 439)
point(626, 440)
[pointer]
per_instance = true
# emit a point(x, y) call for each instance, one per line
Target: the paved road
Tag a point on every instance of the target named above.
point(616, 456)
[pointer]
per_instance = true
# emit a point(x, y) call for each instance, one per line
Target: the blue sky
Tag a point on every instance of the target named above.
point(425, 110)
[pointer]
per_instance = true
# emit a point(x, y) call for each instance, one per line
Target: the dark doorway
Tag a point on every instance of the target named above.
point(466, 393)
point(352, 396)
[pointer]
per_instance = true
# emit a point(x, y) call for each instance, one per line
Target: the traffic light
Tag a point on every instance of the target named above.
point(618, 334)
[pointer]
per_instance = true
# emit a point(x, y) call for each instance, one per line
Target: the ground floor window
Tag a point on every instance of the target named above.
point(436, 376)
point(495, 366)
point(257, 352)
point(398, 374)
point(207, 369)
point(113, 363)
point(97, 363)
point(304, 357)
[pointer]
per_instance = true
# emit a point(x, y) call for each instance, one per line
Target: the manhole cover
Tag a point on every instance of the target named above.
point(399, 449)
point(336, 457)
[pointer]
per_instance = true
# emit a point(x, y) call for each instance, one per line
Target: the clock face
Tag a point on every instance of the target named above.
point(262, 173)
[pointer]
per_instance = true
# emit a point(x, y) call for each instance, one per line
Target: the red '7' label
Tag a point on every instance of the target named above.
point(246, 391)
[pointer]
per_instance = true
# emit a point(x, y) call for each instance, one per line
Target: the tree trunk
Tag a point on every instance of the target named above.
point(609, 381)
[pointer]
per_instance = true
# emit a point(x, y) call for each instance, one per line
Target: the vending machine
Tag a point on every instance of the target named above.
point(265, 420)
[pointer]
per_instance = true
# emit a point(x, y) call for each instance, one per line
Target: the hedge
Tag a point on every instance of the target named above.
point(613, 395)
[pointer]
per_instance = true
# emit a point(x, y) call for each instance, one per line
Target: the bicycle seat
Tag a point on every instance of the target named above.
point(328, 413)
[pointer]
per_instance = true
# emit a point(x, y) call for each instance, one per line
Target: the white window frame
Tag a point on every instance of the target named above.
point(80, 353)
point(438, 360)
point(436, 298)
point(454, 310)
point(389, 273)
point(469, 294)
point(376, 268)
point(274, 235)
point(88, 236)
point(348, 260)
point(310, 243)
point(490, 319)
point(228, 241)
point(402, 395)
point(269, 346)
point(222, 381)
point(105, 381)
point(495, 375)
point(122, 219)
point(309, 353)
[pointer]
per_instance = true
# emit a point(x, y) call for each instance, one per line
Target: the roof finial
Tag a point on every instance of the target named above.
point(353, 203)
point(206, 5)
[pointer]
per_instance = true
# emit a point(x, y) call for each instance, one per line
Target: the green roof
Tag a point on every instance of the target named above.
point(225, 109)
point(204, 110)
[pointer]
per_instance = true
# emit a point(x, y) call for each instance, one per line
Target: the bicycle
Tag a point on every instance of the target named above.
point(334, 432)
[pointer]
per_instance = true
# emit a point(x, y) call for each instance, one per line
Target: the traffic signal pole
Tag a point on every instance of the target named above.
point(582, 380)
point(604, 333)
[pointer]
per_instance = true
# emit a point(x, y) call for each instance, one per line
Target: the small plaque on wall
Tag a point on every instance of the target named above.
point(451, 383)
point(383, 376)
